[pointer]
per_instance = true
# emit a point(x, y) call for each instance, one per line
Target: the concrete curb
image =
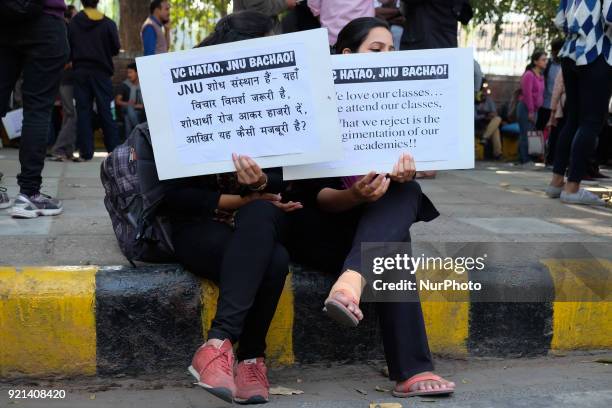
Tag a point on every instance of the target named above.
point(71, 321)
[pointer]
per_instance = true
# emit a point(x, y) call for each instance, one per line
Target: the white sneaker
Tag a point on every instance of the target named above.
point(553, 192)
point(582, 196)
point(34, 206)
point(5, 201)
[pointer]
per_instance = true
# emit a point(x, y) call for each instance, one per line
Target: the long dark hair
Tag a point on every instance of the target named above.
point(242, 25)
point(354, 33)
point(537, 54)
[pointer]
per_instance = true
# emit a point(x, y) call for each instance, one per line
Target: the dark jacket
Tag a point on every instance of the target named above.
point(93, 43)
point(429, 24)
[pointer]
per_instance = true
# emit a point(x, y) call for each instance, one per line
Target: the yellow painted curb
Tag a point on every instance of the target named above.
point(47, 321)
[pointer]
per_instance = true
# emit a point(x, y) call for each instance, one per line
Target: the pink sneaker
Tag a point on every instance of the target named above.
point(212, 367)
point(252, 385)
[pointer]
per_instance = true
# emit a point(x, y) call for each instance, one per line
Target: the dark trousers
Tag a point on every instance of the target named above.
point(587, 88)
point(38, 49)
point(553, 137)
point(542, 119)
point(332, 242)
point(525, 126)
point(249, 263)
point(90, 86)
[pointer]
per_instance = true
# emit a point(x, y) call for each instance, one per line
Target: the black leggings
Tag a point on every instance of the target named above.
point(249, 263)
point(332, 242)
point(587, 88)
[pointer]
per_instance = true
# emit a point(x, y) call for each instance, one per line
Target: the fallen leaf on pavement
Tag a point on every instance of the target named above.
point(364, 392)
point(92, 397)
point(284, 391)
point(381, 389)
point(385, 405)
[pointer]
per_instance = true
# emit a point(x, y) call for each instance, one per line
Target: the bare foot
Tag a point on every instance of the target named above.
point(427, 385)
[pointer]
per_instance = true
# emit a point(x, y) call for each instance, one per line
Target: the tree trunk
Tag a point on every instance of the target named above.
point(132, 15)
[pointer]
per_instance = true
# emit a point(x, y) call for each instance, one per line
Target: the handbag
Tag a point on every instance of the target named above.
point(535, 142)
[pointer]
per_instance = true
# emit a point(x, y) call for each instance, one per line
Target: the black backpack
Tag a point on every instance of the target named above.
point(133, 193)
point(20, 10)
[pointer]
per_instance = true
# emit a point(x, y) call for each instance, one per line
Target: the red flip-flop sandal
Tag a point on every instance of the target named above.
point(405, 390)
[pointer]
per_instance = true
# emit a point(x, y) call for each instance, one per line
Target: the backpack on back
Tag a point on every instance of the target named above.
point(132, 194)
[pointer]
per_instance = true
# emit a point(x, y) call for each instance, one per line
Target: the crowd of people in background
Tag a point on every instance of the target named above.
point(89, 101)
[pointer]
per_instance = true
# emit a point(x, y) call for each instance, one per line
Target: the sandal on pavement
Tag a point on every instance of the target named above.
point(403, 390)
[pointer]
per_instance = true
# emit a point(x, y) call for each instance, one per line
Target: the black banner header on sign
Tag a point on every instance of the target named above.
point(383, 74)
point(233, 67)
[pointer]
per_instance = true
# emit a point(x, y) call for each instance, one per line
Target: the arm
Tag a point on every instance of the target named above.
point(122, 98)
point(149, 39)
point(561, 18)
point(116, 45)
point(368, 189)
point(557, 91)
point(527, 90)
point(315, 7)
point(387, 13)
point(607, 12)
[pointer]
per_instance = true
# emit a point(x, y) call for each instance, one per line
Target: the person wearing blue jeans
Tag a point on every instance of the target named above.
point(530, 100)
point(37, 49)
point(94, 40)
point(525, 126)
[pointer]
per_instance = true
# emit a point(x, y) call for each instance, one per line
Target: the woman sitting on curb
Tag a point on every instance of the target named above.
point(228, 228)
point(341, 213)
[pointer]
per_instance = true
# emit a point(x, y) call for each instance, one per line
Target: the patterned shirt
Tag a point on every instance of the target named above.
point(588, 26)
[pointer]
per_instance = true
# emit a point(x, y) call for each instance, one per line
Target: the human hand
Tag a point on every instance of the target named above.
point(532, 117)
point(248, 172)
point(288, 206)
point(370, 187)
point(404, 170)
point(291, 3)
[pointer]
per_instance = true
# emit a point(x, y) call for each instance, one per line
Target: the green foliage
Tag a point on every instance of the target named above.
point(541, 15)
point(195, 19)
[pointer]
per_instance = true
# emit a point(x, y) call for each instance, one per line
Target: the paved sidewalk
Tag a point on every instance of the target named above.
point(575, 381)
point(495, 202)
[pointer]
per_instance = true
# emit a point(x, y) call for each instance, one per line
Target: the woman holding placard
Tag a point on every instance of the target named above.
point(341, 213)
point(229, 228)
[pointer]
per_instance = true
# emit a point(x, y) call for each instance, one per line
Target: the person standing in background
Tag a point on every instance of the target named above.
point(271, 8)
point(433, 23)
point(33, 44)
point(530, 100)
point(66, 139)
point(389, 11)
point(95, 41)
point(556, 121)
point(586, 63)
point(155, 31)
point(335, 14)
point(550, 75)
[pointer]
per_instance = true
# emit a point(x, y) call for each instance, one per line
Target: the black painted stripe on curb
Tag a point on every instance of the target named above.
point(147, 319)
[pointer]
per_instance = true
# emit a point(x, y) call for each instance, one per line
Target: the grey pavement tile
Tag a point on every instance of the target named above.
point(24, 227)
point(517, 225)
point(79, 225)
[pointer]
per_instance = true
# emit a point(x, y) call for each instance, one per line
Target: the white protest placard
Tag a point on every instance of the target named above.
point(13, 121)
point(270, 98)
point(420, 102)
